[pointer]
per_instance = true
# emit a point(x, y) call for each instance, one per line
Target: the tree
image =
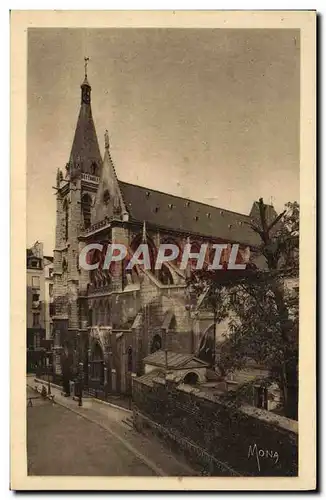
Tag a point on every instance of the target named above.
point(263, 315)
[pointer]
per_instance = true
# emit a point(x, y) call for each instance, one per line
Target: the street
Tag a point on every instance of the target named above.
point(96, 442)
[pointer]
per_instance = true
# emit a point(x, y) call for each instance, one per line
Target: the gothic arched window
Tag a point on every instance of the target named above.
point(86, 203)
point(129, 359)
point(94, 169)
point(97, 364)
point(156, 343)
point(101, 314)
point(64, 265)
point(165, 276)
point(66, 216)
point(106, 197)
point(139, 239)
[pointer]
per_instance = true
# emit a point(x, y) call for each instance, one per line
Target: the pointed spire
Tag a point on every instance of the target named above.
point(188, 271)
point(85, 153)
point(108, 190)
point(58, 177)
point(106, 140)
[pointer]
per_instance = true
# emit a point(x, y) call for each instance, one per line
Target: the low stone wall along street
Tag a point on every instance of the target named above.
point(219, 439)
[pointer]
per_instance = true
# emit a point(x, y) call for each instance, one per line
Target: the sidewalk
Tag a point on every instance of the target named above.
point(118, 422)
point(71, 402)
point(116, 400)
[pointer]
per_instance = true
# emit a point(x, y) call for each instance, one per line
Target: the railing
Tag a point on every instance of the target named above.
point(90, 178)
point(97, 225)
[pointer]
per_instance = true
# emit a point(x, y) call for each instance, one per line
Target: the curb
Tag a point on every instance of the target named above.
point(111, 404)
point(100, 401)
point(44, 382)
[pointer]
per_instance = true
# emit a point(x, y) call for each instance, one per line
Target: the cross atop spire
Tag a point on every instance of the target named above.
point(86, 88)
point(86, 59)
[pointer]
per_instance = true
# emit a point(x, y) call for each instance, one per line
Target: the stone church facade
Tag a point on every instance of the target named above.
point(110, 320)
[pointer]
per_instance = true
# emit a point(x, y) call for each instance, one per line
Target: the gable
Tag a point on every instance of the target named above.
point(108, 200)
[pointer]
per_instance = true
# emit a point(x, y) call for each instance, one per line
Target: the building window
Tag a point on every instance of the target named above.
point(101, 315)
point(129, 359)
point(90, 317)
point(52, 309)
point(191, 378)
point(64, 265)
point(36, 319)
point(261, 397)
point(165, 276)
point(97, 364)
point(51, 290)
point(35, 281)
point(106, 197)
point(36, 297)
point(86, 209)
point(156, 343)
point(50, 272)
point(66, 215)
point(37, 341)
point(94, 169)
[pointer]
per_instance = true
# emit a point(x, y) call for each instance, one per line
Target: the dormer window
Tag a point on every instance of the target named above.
point(106, 197)
point(187, 204)
point(170, 206)
point(147, 194)
point(156, 209)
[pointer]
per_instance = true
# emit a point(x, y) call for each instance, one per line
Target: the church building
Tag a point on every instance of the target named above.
point(111, 319)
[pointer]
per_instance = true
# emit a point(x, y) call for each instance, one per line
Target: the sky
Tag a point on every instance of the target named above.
point(208, 114)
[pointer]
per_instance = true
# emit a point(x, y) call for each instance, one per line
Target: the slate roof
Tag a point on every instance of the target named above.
point(175, 360)
point(189, 216)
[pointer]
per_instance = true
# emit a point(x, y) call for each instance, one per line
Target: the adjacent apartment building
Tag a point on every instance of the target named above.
point(39, 284)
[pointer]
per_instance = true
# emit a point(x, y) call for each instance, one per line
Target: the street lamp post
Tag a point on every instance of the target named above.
point(80, 396)
point(49, 385)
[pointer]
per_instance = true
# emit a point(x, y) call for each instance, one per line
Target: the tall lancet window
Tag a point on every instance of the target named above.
point(94, 169)
point(86, 203)
point(66, 218)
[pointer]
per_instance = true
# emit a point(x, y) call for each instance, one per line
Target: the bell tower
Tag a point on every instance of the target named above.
point(75, 192)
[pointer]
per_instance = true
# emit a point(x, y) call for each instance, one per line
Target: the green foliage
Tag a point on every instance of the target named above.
point(263, 314)
point(244, 392)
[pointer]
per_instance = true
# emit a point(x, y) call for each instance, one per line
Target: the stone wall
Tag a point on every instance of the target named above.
point(221, 440)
